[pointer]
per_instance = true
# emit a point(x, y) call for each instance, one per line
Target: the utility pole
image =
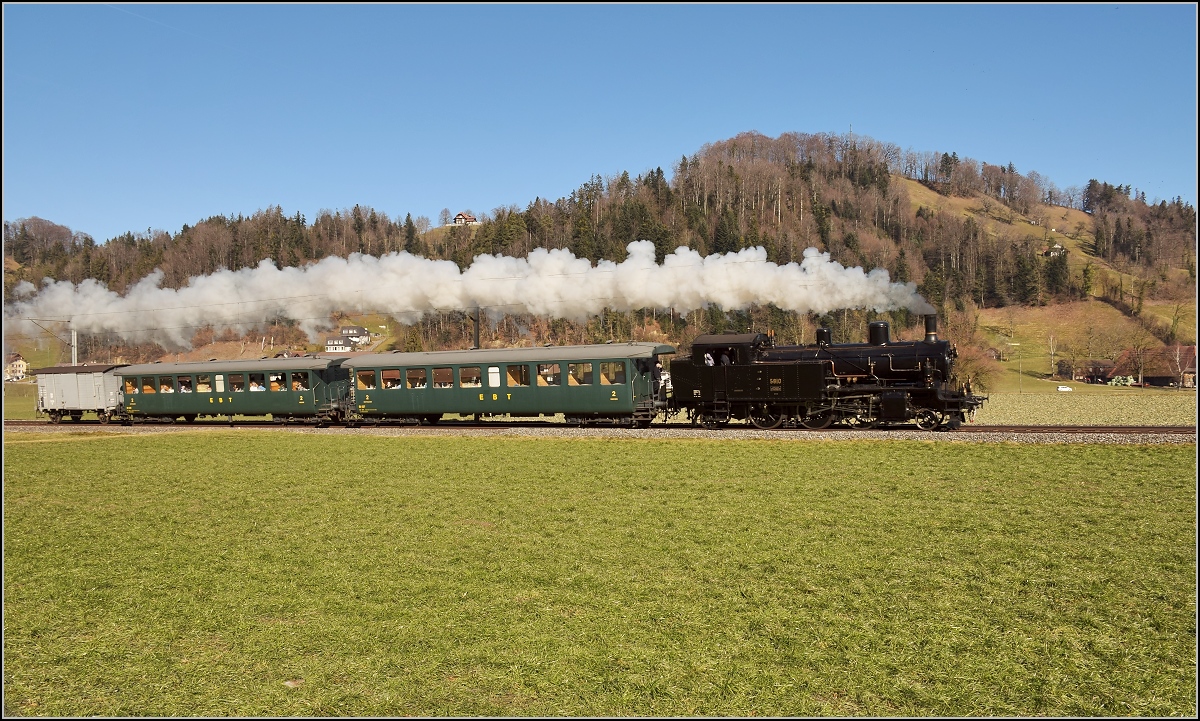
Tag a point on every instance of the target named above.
point(1020, 369)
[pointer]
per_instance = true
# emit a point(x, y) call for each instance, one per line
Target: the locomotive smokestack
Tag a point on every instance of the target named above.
point(824, 336)
point(931, 329)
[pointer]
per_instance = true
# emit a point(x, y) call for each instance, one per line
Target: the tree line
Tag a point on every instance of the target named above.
point(838, 193)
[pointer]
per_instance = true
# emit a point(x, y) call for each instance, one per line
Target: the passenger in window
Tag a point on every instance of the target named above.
point(254, 386)
point(166, 388)
point(185, 385)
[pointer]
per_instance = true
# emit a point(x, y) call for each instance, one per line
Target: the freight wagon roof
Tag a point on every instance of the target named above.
point(515, 355)
point(228, 366)
point(97, 368)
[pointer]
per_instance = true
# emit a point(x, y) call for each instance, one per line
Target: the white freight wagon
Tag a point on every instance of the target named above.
point(75, 390)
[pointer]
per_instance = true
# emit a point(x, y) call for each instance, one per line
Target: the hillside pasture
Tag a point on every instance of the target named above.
point(1068, 323)
point(230, 573)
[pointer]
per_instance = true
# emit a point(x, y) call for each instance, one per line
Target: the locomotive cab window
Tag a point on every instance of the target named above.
point(237, 382)
point(549, 374)
point(612, 374)
point(391, 378)
point(517, 376)
point(443, 377)
point(366, 380)
point(185, 384)
point(469, 377)
point(203, 383)
point(579, 374)
point(415, 378)
point(148, 385)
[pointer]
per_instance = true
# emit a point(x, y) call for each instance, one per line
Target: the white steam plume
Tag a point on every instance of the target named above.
point(551, 283)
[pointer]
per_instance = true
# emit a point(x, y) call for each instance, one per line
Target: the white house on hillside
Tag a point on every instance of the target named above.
point(338, 344)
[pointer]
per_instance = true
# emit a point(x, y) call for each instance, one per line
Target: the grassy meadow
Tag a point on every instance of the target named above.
point(248, 573)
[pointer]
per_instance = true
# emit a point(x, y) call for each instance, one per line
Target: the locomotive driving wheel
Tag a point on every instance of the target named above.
point(928, 419)
point(763, 417)
point(818, 421)
point(863, 421)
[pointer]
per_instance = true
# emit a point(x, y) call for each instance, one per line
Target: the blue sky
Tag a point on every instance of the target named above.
point(133, 117)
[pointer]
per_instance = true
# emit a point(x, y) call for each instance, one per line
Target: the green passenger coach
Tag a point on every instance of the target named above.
point(610, 383)
point(288, 389)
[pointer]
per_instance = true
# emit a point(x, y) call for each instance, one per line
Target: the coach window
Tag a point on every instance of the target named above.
point(415, 378)
point(219, 379)
point(493, 376)
point(580, 374)
point(258, 382)
point(131, 386)
point(237, 382)
point(612, 374)
point(203, 383)
point(391, 378)
point(549, 374)
point(184, 383)
point(366, 380)
point(278, 381)
point(148, 385)
point(300, 381)
point(443, 377)
point(469, 377)
point(517, 376)
point(166, 384)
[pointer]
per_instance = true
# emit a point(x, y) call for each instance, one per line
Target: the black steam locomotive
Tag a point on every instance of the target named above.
point(863, 385)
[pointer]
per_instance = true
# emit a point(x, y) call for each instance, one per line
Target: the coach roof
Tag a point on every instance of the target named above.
point(227, 366)
point(514, 355)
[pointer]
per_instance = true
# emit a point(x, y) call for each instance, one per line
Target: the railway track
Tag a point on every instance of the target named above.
point(734, 427)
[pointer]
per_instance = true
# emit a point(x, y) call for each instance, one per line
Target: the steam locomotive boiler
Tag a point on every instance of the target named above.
point(863, 385)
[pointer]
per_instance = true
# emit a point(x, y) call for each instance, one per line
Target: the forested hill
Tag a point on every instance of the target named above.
point(968, 232)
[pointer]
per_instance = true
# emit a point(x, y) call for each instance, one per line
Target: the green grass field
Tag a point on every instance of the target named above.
point(1090, 406)
point(250, 573)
